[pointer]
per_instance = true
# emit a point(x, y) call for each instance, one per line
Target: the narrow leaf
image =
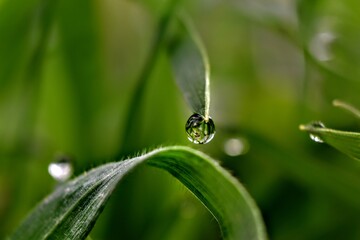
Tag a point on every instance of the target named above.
point(16, 19)
point(72, 209)
point(80, 46)
point(347, 107)
point(346, 142)
point(133, 114)
point(191, 68)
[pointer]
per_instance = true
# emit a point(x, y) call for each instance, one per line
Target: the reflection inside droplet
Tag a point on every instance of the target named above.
point(236, 146)
point(199, 130)
point(61, 169)
point(315, 137)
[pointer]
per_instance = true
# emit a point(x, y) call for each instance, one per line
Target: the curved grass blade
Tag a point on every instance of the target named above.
point(344, 141)
point(72, 209)
point(348, 107)
point(191, 68)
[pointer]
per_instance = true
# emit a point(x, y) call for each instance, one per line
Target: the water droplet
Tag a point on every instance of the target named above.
point(317, 124)
point(61, 169)
point(320, 45)
point(199, 130)
point(236, 146)
point(315, 137)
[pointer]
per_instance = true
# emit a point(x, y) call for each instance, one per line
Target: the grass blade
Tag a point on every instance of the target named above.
point(191, 68)
point(80, 46)
point(16, 19)
point(72, 209)
point(344, 141)
point(347, 107)
point(131, 126)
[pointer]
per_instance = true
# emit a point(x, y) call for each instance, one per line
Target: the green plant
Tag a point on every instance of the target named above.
point(345, 141)
point(88, 84)
point(72, 210)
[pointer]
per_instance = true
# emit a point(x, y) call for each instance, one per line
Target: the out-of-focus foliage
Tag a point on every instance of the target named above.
point(68, 70)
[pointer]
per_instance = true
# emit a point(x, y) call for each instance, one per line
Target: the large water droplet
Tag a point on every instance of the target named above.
point(315, 137)
point(236, 146)
point(61, 169)
point(200, 130)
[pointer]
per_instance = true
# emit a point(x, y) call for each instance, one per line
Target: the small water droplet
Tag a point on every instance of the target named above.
point(315, 137)
point(320, 45)
point(61, 169)
point(199, 130)
point(236, 146)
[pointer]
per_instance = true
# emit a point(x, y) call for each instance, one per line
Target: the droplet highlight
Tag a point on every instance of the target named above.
point(61, 169)
point(200, 130)
point(320, 46)
point(315, 137)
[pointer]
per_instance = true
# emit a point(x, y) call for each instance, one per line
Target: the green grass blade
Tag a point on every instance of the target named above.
point(347, 107)
point(346, 142)
point(72, 209)
point(133, 113)
point(80, 46)
point(191, 68)
point(16, 19)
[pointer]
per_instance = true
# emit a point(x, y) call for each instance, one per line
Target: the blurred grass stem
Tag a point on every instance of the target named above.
point(346, 106)
point(138, 93)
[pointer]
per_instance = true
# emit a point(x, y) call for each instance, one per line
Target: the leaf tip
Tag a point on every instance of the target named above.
point(303, 127)
point(336, 103)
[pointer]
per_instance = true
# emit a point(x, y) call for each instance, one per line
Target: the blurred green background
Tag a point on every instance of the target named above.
point(68, 70)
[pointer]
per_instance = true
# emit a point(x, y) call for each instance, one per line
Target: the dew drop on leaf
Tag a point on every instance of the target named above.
point(61, 169)
point(315, 137)
point(200, 130)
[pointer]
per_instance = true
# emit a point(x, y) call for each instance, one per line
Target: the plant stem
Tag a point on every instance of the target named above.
point(348, 107)
point(133, 112)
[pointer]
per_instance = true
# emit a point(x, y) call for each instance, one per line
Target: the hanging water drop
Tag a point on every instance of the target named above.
point(315, 137)
point(61, 169)
point(200, 130)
